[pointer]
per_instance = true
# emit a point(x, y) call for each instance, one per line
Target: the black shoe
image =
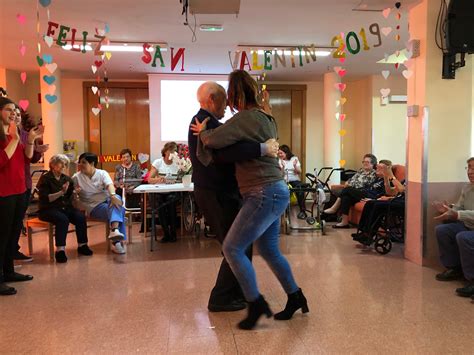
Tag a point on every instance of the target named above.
point(84, 250)
point(302, 215)
point(295, 301)
point(450, 275)
point(22, 257)
point(231, 307)
point(467, 291)
point(255, 311)
point(60, 256)
point(16, 277)
point(6, 290)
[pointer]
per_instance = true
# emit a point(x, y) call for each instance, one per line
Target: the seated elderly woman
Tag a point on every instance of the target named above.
point(367, 183)
point(161, 168)
point(128, 175)
point(55, 206)
point(97, 196)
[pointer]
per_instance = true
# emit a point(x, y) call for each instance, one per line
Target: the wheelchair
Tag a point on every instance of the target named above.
point(193, 220)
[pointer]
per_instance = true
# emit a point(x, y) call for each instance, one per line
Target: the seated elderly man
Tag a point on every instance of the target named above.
point(55, 206)
point(456, 236)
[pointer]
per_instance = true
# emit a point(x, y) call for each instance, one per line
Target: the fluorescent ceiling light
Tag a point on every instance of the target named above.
point(211, 28)
point(116, 48)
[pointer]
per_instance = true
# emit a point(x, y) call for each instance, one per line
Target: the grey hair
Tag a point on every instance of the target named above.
point(58, 158)
point(470, 159)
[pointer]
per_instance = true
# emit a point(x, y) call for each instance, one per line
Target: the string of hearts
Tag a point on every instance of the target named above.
point(341, 115)
point(23, 103)
point(99, 65)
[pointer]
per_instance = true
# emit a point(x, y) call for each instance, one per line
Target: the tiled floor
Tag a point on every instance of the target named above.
point(360, 302)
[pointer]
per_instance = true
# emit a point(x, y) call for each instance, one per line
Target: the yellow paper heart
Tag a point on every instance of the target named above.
point(108, 55)
point(342, 162)
point(342, 132)
point(343, 100)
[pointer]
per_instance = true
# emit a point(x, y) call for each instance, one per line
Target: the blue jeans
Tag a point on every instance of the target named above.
point(258, 222)
point(105, 212)
point(456, 247)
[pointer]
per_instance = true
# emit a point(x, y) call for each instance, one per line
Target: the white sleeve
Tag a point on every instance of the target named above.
point(298, 164)
point(156, 164)
point(106, 179)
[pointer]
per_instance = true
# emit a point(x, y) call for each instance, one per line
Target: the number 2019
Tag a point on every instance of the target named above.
point(352, 42)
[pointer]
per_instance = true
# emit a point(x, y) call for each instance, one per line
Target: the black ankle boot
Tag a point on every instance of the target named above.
point(255, 310)
point(296, 301)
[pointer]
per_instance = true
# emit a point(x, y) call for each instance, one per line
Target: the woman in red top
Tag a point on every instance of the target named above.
point(12, 190)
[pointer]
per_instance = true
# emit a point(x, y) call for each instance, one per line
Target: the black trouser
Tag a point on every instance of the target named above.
point(220, 209)
point(61, 219)
point(167, 214)
point(11, 217)
point(299, 195)
point(27, 202)
point(349, 197)
point(373, 211)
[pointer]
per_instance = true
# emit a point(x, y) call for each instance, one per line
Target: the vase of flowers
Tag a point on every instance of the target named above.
point(185, 167)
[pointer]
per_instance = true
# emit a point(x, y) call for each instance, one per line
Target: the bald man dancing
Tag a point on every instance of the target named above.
point(216, 192)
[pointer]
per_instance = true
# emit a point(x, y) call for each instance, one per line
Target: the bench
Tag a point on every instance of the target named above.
point(37, 223)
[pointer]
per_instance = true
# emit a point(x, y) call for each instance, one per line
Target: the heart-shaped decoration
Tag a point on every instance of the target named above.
point(143, 158)
point(108, 55)
point(337, 115)
point(397, 53)
point(51, 67)
point(48, 58)
point(51, 98)
point(342, 60)
point(342, 117)
point(408, 54)
point(343, 100)
point(338, 102)
point(107, 105)
point(399, 16)
point(408, 63)
point(51, 89)
point(94, 89)
point(386, 30)
point(397, 37)
point(49, 79)
point(407, 73)
point(98, 63)
point(342, 132)
point(22, 50)
point(385, 92)
point(49, 40)
point(386, 12)
point(24, 104)
point(94, 68)
point(21, 19)
point(45, 3)
point(100, 31)
point(23, 76)
point(385, 74)
point(342, 72)
point(95, 110)
point(39, 60)
point(398, 27)
point(342, 162)
point(341, 87)
point(397, 65)
point(336, 69)
point(107, 28)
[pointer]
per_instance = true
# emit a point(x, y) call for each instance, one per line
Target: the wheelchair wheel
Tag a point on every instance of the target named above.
point(382, 245)
point(188, 210)
point(311, 220)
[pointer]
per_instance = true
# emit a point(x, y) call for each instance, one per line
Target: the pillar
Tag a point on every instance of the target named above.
point(332, 140)
point(439, 138)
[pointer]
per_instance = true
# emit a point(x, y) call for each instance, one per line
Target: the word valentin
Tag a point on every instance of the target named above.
point(300, 54)
point(147, 58)
point(64, 31)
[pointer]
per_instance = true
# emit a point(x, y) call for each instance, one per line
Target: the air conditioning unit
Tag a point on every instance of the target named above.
point(230, 7)
point(398, 99)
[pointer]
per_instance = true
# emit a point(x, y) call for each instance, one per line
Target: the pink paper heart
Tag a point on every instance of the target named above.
point(337, 69)
point(51, 89)
point(386, 12)
point(407, 73)
point(342, 117)
point(23, 76)
point(342, 72)
point(385, 74)
point(341, 87)
point(386, 30)
point(21, 19)
point(24, 104)
point(385, 92)
point(23, 50)
point(95, 110)
point(342, 59)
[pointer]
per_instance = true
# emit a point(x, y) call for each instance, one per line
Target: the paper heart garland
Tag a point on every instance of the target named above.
point(342, 117)
point(107, 28)
point(341, 87)
point(98, 63)
point(342, 132)
point(342, 162)
point(143, 158)
point(48, 58)
point(342, 72)
point(336, 69)
point(51, 98)
point(39, 60)
point(49, 40)
point(407, 73)
point(397, 37)
point(95, 110)
point(21, 19)
point(338, 102)
point(108, 55)
point(337, 114)
point(49, 79)
point(51, 67)
point(94, 68)
point(23, 76)
point(342, 59)
point(397, 65)
point(385, 92)
point(386, 12)
point(342, 100)
point(51, 89)
point(385, 74)
point(24, 104)
point(94, 89)
point(45, 3)
point(386, 30)
point(22, 50)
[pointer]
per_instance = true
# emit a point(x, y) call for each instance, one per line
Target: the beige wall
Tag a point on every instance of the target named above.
point(73, 111)
point(18, 91)
point(314, 126)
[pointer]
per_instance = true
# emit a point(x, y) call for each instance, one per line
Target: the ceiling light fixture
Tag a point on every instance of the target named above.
point(211, 28)
point(116, 46)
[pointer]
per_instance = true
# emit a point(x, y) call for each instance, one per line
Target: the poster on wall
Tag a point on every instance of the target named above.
point(70, 149)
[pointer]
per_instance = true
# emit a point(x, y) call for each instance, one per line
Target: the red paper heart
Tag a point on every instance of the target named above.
point(396, 65)
point(342, 72)
point(342, 59)
point(341, 87)
point(342, 117)
point(24, 104)
point(98, 63)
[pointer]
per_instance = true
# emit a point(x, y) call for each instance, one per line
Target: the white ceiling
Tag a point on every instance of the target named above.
point(269, 22)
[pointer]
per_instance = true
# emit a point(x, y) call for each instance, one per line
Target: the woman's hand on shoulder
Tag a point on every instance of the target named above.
point(198, 126)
